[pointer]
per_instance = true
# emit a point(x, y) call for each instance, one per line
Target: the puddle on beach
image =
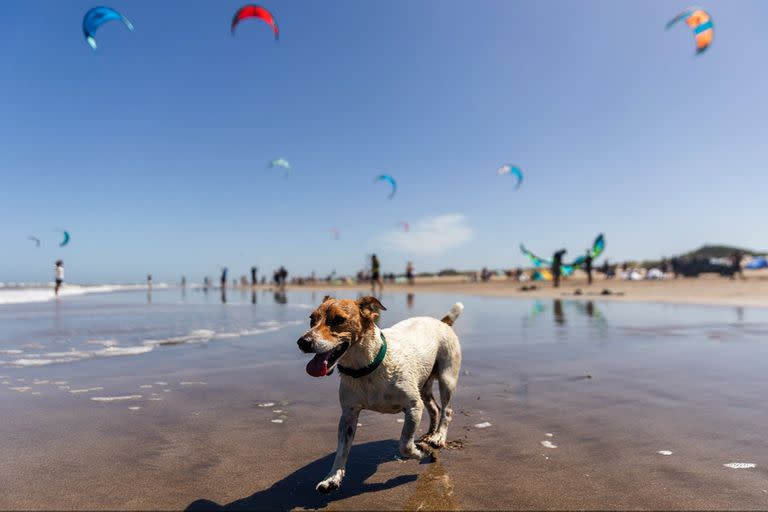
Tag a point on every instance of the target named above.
point(615, 381)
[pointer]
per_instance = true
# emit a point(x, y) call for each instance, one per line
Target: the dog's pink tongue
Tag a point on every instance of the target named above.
point(318, 366)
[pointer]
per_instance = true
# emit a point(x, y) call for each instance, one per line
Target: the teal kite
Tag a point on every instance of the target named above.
point(512, 170)
point(281, 163)
point(566, 269)
point(66, 239)
point(389, 179)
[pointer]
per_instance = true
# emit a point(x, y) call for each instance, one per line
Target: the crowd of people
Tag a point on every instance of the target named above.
point(373, 275)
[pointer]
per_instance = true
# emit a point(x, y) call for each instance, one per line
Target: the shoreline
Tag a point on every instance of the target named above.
point(706, 290)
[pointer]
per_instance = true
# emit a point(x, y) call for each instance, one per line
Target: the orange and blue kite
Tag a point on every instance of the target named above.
point(700, 22)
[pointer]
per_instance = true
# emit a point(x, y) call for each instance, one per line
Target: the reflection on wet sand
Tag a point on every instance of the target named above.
point(434, 490)
point(280, 296)
point(409, 300)
point(586, 308)
point(223, 294)
point(253, 297)
point(557, 304)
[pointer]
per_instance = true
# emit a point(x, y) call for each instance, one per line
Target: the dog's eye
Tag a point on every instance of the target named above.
point(337, 320)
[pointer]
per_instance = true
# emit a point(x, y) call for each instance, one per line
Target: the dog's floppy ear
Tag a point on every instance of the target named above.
point(370, 307)
point(326, 298)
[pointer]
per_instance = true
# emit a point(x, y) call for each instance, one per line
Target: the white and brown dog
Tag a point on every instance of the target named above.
point(389, 371)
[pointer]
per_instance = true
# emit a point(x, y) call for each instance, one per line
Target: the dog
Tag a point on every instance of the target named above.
point(385, 370)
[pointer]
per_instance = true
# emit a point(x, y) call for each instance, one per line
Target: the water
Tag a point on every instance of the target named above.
point(673, 395)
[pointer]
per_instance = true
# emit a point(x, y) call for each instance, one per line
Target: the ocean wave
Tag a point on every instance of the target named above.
point(112, 350)
point(23, 293)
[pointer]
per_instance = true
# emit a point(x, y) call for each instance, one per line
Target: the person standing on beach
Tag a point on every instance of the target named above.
point(149, 281)
point(588, 266)
point(736, 257)
point(376, 275)
point(183, 281)
point(59, 276)
point(409, 273)
point(224, 277)
point(557, 263)
point(254, 280)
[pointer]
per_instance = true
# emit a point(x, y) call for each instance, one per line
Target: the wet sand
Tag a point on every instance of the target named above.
point(705, 290)
point(612, 391)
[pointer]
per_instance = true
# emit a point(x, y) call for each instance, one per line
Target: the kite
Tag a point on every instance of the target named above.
point(389, 179)
point(700, 22)
point(96, 17)
point(280, 162)
point(255, 11)
point(406, 226)
point(511, 169)
point(34, 239)
point(335, 232)
point(566, 269)
point(541, 263)
point(597, 249)
point(65, 241)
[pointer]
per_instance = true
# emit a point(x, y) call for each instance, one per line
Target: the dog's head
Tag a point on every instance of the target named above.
point(336, 325)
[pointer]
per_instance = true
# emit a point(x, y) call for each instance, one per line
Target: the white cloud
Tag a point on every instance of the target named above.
point(432, 235)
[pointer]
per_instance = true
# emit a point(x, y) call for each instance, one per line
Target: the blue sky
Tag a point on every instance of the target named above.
point(153, 150)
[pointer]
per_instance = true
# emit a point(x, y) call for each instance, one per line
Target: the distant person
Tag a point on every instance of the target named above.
point(206, 283)
point(376, 274)
point(557, 263)
point(409, 273)
point(254, 279)
point(58, 271)
point(282, 276)
point(224, 277)
point(149, 281)
point(183, 282)
point(675, 264)
point(588, 266)
point(736, 257)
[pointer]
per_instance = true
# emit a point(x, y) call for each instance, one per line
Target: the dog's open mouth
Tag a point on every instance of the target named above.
point(322, 363)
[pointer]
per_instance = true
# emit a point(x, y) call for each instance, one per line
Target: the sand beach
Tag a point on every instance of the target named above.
point(562, 404)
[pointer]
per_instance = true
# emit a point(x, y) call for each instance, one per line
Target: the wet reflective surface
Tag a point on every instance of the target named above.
point(189, 401)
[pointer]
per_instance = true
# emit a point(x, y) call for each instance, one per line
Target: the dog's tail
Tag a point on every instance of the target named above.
point(453, 314)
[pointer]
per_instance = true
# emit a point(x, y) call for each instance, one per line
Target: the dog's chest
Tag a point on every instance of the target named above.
point(378, 395)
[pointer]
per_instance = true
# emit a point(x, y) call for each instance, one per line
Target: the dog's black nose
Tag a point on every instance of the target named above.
point(304, 344)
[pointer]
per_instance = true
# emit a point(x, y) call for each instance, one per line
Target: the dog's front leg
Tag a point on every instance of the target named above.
point(408, 447)
point(347, 428)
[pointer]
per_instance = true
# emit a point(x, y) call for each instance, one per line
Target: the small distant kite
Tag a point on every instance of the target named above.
point(34, 239)
point(96, 17)
point(389, 179)
point(700, 22)
point(255, 11)
point(513, 170)
point(406, 226)
point(281, 163)
point(335, 232)
point(66, 238)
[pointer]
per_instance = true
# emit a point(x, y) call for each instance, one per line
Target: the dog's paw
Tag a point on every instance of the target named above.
point(435, 440)
point(330, 484)
point(412, 452)
point(327, 486)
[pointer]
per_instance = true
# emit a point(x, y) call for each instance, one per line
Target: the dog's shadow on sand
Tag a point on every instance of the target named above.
point(297, 490)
